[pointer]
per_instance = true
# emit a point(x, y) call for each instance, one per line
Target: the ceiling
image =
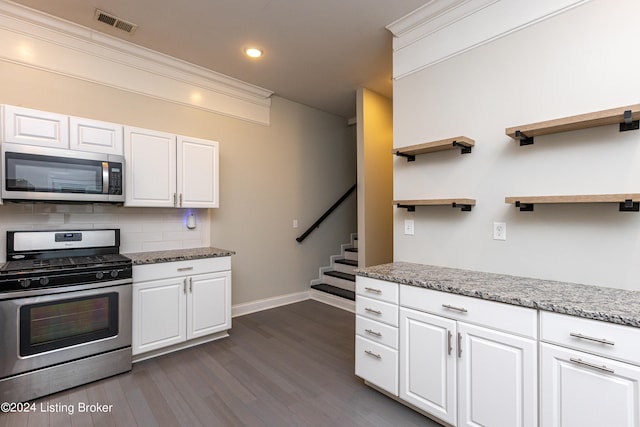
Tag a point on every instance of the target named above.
point(316, 52)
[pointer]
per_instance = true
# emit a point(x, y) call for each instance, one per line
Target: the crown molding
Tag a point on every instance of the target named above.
point(442, 29)
point(39, 40)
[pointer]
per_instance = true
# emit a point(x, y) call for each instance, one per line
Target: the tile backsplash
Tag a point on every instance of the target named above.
point(141, 229)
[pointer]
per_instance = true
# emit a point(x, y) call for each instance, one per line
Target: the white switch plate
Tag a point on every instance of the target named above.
point(408, 227)
point(295, 223)
point(499, 231)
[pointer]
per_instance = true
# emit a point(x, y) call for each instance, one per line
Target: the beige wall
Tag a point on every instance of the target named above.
point(375, 178)
point(269, 175)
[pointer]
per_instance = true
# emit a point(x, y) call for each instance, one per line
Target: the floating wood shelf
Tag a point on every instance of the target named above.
point(410, 205)
point(461, 142)
point(628, 118)
point(628, 202)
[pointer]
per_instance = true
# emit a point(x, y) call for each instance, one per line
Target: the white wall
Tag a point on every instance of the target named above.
point(576, 62)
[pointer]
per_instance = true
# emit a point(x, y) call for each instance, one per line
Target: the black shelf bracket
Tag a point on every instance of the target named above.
point(524, 207)
point(409, 157)
point(524, 139)
point(463, 206)
point(629, 123)
point(464, 149)
point(409, 208)
point(629, 206)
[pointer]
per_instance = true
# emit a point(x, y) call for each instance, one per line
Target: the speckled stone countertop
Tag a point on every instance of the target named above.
point(591, 302)
point(154, 257)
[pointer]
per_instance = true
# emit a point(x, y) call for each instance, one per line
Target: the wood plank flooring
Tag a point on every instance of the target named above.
point(288, 366)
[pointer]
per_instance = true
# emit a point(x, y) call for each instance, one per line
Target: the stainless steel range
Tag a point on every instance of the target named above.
point(65, 311)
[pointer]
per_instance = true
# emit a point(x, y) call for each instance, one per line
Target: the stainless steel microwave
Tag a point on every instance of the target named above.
point(32, 173)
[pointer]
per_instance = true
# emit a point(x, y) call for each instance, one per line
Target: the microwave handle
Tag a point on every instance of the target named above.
point(105, 177)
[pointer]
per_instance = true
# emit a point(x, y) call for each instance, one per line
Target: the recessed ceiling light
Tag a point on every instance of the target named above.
point(253, 52)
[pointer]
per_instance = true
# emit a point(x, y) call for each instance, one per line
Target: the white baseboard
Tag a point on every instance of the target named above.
point(267, 303)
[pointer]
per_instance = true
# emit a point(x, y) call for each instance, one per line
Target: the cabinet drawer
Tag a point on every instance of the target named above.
point(377, 310)
point(377, 364)
point(163, 270)
point(377, 289)
point(377, 332)
point(601, 338)
point(505, 317)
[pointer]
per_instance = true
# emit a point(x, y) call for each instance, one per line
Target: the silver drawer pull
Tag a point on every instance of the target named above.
point(449, 336)
point(369, 331)
point(371, 310)
point(377, 291)
point(185, 268)
point(371, 353)
point(585, 337)
point(591, 365)
point(451, 307)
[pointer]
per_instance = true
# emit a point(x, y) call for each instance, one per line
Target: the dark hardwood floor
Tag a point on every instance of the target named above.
point(288, 366)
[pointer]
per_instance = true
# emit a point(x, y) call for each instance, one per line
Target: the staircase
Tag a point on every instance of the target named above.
point(337, 282)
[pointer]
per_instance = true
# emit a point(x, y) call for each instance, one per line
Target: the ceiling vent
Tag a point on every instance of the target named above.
point(114, 21)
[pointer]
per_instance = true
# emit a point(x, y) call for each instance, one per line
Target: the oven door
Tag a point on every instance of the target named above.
point(46, 174)
point(42, 331)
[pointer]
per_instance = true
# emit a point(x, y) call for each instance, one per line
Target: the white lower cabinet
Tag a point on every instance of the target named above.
point(463, 372)
point(377, 333)
point(590, 373)
point(176, 302)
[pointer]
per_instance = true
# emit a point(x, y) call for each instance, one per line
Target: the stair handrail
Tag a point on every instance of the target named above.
point(325, 215)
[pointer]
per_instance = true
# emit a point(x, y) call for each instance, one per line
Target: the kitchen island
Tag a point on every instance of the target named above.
point(475, 348)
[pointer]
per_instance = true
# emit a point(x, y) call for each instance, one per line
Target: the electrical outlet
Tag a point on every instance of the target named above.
point(499, 231)
point(295, 223)
point(408, 227)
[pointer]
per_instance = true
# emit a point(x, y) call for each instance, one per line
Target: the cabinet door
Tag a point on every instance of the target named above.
point(497, 378)
point(428, 363)
point(209, 304)
point(159, 315)
point(95, 136)
point(150, 159)
point(33, 127)
point(581, 390)
point(197, 173)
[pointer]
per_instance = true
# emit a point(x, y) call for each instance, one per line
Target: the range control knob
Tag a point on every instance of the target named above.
point(99, 275)
point(44, 281)
point(114, 273)
point(25, 282)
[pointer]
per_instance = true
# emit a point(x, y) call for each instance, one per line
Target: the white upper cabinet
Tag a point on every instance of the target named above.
point(150, 164)
point(34, 127)
point(95, 136)
point(197, 167)
point(165, 170)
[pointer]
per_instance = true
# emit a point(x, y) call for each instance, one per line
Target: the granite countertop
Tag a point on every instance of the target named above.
point(154, 257)
point(591, 302)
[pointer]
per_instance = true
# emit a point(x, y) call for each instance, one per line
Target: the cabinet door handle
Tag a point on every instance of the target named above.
point(175, 202)
point(449, 343)
point(585, 337)
point(191, 284)
point(377, 334)
point(459, 344)
point(185, 268)
point(180, 199)
point(592, 365)
point(184, 287)
point(371, 353)
point(451, 307)
point(371, 310)
point(377, 291)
